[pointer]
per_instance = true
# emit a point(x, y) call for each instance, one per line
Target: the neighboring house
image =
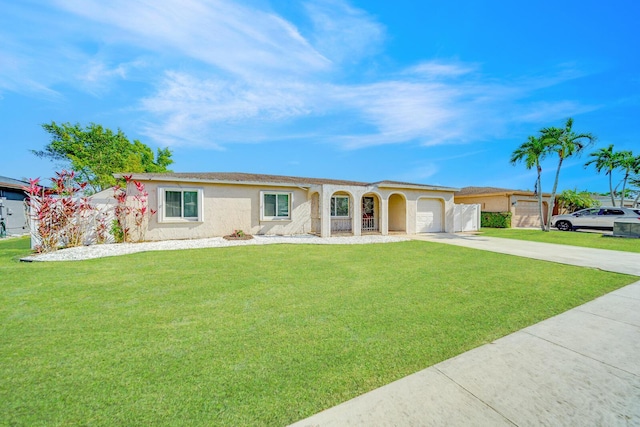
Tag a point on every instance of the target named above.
point(606, 201)
point(199, 205)
point(523, 205)
point(12, 207)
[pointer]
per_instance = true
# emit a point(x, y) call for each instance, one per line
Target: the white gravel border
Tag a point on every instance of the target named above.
point(115, 249)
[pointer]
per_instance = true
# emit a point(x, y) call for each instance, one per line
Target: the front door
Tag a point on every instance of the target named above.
point(369, 222)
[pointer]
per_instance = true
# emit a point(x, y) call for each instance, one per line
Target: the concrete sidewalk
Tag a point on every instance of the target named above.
point(580, 368)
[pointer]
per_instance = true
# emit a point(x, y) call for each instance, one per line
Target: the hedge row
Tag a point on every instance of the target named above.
point(495, 219)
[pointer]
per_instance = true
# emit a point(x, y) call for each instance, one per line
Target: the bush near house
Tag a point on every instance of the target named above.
point(495, 219)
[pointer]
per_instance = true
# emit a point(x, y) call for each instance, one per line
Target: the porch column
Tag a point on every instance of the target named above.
point(384, 216)
point(357, 213)
point(325, 213)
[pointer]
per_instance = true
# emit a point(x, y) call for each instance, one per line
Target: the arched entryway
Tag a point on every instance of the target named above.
point(370, 213)
point(341, 210)
point(397, 213)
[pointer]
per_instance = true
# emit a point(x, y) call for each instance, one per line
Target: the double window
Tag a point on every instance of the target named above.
point(275, 205)
point(340, 206)
point(180, 204)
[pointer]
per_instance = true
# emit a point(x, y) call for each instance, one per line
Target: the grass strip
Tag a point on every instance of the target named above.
point(571, 238)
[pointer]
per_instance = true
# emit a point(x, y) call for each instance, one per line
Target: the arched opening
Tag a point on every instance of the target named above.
point(397, 214)
point(370, 213)
point(341, 210)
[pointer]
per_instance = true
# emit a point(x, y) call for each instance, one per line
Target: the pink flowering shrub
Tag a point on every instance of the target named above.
point(62, 218)
point(131, 212)
point(59, 214)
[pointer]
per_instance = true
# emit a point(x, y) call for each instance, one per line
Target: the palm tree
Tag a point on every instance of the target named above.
point(565, 143)
point(531, 152)
point(630, 164)
point(635, 181)
point(605, 159)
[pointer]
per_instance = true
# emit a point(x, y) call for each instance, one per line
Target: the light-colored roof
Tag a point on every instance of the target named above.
point(17, 184)
point(280, 180)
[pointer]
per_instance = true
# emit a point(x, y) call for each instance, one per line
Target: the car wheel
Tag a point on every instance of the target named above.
point(564, 226)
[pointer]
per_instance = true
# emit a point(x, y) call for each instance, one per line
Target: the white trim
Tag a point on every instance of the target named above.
point(161, 205)
point(276, 193)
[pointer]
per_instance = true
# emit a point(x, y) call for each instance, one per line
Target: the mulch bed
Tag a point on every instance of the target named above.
point(234, 237)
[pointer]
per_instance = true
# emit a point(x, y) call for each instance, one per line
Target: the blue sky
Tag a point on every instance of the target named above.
point(422, 91)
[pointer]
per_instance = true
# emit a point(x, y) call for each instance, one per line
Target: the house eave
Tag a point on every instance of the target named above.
point(193, 180)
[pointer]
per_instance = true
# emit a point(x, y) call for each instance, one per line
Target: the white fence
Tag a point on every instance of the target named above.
point(103, 210)
point(466, 217)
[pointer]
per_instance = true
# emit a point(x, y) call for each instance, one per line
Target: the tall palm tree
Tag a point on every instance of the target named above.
point(635, 181)
point(630, 164)
point(565, 143)
point(531, 152)
point(605, 159)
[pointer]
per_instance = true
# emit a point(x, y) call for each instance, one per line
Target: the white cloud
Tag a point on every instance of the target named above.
point(188, 107)
point(222, 72)
point(221, 33)
point(439, 69)
point(344, 33)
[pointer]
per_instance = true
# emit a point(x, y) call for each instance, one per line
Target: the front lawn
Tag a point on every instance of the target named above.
point(254, 335)
point(573, 238)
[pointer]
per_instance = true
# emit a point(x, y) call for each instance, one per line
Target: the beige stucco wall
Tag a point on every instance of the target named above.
point(397, 213)
point(490, 203)
point(446, 198)
point(227, 208)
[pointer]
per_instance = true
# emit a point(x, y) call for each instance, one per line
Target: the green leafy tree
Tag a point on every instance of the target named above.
point(573, 200)
point(531, 152)
point(96, 153)
point(605, 159)
point(565, 143)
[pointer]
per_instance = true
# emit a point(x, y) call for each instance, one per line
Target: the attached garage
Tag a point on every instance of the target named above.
point(429, 216)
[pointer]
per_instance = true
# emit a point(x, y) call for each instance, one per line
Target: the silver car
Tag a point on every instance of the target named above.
point(602, 217)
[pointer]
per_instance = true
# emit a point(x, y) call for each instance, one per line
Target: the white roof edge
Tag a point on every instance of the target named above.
point(217, 181)
point(418, 187)
point(286, 184)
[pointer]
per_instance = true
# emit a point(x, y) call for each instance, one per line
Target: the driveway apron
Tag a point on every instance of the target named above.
point(581, 367)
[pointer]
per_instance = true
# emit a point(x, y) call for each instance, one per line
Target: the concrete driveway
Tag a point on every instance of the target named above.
point(580, 368)
point(615, 261)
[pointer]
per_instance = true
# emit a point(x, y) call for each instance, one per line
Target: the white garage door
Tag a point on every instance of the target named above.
point(429, 216)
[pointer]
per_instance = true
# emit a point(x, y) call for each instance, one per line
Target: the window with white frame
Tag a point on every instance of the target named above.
point(180, 204)
point(340, 206)
point(275, 205)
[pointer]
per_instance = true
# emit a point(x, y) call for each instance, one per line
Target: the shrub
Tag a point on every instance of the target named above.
point(495, 219)
point(60, 218)
point(131, 212)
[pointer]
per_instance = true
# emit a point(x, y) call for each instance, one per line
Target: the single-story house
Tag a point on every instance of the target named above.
point(522, 204)
point(200, 205)
point(12, 208)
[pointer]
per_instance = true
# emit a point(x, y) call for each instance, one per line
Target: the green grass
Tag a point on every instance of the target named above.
point(254, 335)
point(584, 239)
